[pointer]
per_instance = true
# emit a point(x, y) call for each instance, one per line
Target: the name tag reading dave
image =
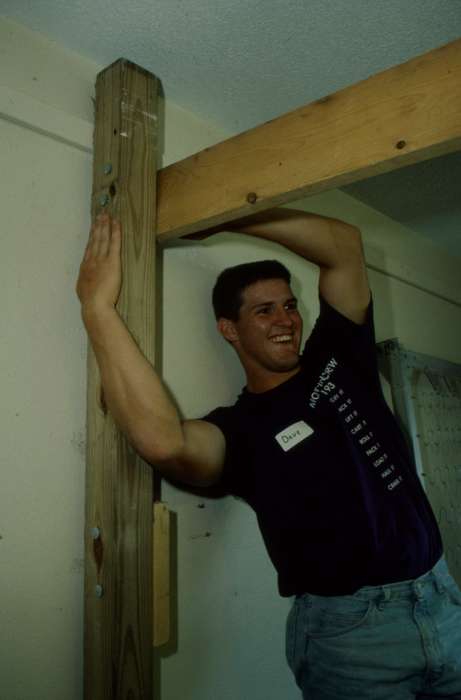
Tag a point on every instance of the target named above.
point(293, 435)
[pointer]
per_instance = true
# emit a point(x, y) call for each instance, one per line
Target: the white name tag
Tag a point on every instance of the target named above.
point(294, 434)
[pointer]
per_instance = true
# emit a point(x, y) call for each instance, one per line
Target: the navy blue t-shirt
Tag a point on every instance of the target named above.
point(321, 460)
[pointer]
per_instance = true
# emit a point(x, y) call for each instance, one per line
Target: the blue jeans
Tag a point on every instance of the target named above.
point(400, 641)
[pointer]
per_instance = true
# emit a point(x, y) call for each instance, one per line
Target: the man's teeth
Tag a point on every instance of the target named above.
point(281, 338)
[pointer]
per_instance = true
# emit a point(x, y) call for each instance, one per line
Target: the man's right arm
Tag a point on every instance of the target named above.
point(188, 451)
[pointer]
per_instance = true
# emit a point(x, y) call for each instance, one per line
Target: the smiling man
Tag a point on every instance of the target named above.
point(311, 445)
point(266, 330)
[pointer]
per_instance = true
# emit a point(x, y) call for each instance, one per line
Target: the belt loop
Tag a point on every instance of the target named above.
point(385, 597)
point(417, 588)
point(438, 584)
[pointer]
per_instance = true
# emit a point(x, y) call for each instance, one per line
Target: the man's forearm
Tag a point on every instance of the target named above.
point(322, 240)
point(133, 392)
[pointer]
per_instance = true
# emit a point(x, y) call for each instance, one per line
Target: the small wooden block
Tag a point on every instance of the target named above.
point(161, 574)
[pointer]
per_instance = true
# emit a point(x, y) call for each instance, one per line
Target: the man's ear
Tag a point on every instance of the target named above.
point(227, 329)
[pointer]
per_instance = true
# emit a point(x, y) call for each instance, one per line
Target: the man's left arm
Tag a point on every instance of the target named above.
point(334, 245)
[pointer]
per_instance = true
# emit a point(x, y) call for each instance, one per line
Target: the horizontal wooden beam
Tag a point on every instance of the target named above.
point(403, 115)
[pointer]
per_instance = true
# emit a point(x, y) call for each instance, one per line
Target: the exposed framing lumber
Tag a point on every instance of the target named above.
point(119, 485)
point(403, 115)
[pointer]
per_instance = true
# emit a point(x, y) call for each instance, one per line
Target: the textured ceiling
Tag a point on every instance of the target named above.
point(242, 62)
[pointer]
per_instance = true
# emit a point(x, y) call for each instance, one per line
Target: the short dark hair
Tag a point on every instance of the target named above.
point(231, 282)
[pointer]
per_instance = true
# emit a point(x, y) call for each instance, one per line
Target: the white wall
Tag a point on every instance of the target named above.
point(230, 619)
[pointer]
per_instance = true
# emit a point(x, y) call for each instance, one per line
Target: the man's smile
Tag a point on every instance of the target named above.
point(282, 338)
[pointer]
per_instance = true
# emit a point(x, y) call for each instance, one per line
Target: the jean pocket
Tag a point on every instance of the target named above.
point(290, 641)
point(332, 617)
point(296, 638)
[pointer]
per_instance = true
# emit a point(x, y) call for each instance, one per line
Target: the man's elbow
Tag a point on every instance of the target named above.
point(159, 452)
point(170, 461)
point(352, 234)
point(351, 242)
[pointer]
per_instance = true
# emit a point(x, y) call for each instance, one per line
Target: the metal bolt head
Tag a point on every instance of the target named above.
point(99, 590)
point(104, 200)
point(95, 533)
point(107, 168)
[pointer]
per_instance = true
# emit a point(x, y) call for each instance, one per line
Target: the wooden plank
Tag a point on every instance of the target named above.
point(161, 574)
point(119, 488)
point(403, 115)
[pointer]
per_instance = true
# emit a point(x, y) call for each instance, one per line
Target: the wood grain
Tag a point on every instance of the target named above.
point(403, 115)
point(119, 485)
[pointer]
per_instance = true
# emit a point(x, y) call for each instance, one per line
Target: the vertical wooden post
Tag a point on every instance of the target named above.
point(119, 485)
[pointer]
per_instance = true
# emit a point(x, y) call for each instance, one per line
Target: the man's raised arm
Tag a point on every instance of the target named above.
point(189, 451)
point(333, 245)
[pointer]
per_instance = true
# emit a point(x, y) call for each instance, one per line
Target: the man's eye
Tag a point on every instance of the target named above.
point(264, 310)
point(292, 306)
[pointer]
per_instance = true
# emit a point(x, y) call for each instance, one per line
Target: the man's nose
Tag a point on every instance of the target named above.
point(283, 317)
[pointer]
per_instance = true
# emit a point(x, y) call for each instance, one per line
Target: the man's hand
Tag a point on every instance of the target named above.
point(100, 277)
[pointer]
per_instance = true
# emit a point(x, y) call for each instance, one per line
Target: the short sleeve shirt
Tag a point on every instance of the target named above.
point(323, 463)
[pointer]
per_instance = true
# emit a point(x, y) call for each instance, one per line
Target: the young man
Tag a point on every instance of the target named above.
point(313, 448)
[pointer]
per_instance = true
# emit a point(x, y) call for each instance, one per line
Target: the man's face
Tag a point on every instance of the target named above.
point(267, 334)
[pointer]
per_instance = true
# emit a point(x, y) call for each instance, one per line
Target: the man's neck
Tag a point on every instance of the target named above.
point(259, 383)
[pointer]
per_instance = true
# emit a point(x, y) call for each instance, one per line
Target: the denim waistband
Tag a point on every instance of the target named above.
point(438, 576)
